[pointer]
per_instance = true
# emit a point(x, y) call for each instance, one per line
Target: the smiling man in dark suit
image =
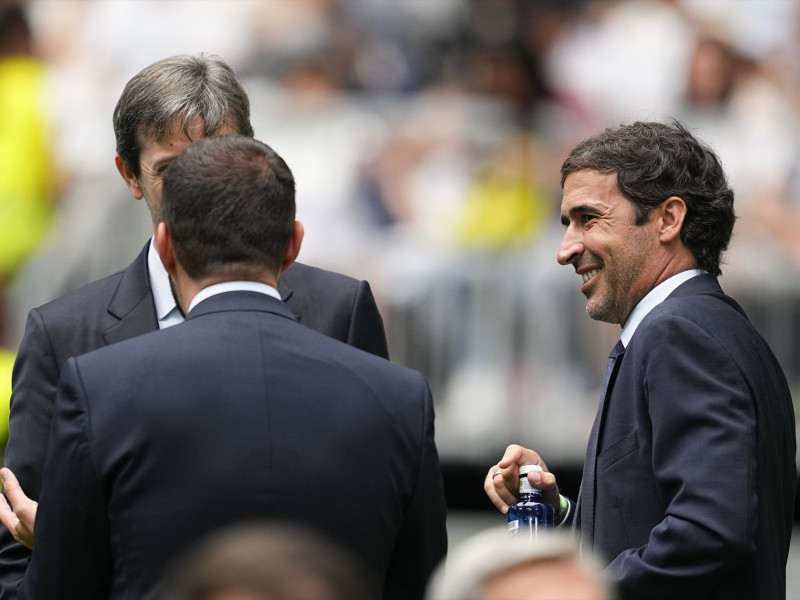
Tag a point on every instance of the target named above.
point(162, 110)
point(689, 479)
point(239, 413)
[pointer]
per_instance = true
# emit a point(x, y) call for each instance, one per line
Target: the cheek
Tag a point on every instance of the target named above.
point(154, 190)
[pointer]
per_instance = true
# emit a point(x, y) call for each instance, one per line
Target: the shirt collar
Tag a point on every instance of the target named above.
point(234, 286)
point(653, 298)
point(162, 291)
point(166, 309)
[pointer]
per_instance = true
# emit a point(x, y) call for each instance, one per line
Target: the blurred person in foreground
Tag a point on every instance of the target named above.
point(162, 110)
point(238, 413)
point(266, 561)
point(689, 479)
point(491, 566)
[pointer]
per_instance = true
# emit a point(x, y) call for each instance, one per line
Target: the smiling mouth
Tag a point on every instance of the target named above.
point(589, 275)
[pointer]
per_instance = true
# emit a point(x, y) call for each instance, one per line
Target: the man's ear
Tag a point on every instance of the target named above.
point(130, 178)
point(294, 246)
point(165, 248)
point(672, 213)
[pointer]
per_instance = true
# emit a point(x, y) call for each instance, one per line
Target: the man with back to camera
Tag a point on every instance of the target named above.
point(240, 413)
point(162, 110)
point(689, 479)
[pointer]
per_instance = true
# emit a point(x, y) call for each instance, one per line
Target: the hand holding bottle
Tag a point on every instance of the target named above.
point(502, 481)
point(530, 514)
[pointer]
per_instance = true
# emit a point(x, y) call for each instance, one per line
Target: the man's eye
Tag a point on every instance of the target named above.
point(587, 218)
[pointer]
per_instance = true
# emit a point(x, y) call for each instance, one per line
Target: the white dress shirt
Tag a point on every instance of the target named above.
point(167, 310)
point(234, 286)
point(653, 298)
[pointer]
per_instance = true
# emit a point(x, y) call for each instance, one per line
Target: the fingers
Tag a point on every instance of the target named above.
point(7, 516)
point(496, 487)
point(20, 515)
point(518, 455)
point(11, 487)
point(502, 481)
point(546, 482)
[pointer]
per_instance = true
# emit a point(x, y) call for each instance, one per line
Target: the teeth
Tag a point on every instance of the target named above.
point(587, 276)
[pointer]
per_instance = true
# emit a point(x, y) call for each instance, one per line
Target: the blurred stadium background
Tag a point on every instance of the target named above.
point(426, 139)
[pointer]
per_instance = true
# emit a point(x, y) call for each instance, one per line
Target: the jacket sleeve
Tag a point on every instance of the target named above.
point(34, 382)
point(366, 324)
point(71, 559)
point(422, 542)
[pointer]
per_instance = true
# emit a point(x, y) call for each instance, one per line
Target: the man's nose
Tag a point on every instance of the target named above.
point(571, 246)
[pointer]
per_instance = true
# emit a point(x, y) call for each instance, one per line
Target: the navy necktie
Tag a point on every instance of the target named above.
point(584, 518)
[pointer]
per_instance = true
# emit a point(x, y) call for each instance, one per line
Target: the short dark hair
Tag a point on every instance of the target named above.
point(267, 558)
point(654, 161)
point(229, 205)
point(183, 87)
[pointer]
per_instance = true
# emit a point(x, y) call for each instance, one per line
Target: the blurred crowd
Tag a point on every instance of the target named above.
point(426, 139)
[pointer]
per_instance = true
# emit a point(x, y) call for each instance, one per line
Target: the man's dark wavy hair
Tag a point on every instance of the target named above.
point(654, 161)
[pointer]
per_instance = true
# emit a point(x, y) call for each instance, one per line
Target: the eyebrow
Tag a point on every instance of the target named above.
point(162, 163)
point(581, 209)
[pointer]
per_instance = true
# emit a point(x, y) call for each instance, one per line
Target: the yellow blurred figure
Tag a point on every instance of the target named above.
point(26, 206)
point(6, 364)
point(505, 206)
point(502, 212)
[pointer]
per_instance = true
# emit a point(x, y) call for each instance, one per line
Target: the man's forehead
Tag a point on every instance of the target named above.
point(177, 127)
point(591, 191)
point(592, 179)
point(172, 141)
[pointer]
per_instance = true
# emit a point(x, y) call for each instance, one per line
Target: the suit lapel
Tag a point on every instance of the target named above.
point(132, 307)
point(286, 291)
point(586, 496)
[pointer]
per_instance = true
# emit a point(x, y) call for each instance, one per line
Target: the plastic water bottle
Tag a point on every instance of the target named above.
point(531, 513)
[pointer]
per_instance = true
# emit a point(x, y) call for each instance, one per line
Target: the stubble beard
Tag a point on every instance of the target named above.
point(607, 307)
point(615, 301)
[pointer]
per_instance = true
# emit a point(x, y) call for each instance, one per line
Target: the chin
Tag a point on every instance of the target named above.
point(601, 312)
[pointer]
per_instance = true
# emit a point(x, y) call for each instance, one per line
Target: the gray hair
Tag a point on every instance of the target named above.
point(179, 87)
point(490, 552)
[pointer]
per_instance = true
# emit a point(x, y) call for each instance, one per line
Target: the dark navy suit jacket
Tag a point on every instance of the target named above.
point(120, 307)
point(695, 469)
point(238, 413)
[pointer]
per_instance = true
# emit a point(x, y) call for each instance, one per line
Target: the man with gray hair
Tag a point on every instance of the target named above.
point(162, 110)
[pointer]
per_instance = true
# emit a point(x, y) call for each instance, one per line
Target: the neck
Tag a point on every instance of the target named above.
point(185, 288)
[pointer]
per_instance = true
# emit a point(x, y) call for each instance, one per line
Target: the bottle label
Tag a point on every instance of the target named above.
point(529, 527)
point(527, 517)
